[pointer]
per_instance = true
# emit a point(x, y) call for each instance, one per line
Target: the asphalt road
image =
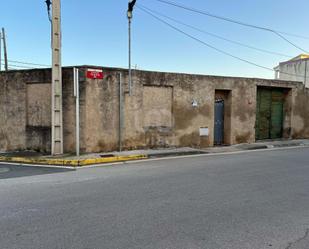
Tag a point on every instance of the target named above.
point(242, 201)
point(12, 171)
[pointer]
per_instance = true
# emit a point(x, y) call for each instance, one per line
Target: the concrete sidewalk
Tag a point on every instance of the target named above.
point(259, 145)
point(30, 157)
point(150, 153)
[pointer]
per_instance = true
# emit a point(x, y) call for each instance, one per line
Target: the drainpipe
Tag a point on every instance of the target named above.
point(120, 112)
point(77, 123)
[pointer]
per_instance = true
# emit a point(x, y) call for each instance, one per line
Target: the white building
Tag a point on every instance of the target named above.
point(296, 69)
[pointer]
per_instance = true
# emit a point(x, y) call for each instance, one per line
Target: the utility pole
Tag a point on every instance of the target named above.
point(57, 115)
point(306, 66)
point(0, 50)
point(6, 65)
point(130, 16)
point(57, 122)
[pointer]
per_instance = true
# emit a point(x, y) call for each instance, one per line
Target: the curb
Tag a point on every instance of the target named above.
point(79, 163)
point(178, 153)
point(72, 163)
point(257, 147)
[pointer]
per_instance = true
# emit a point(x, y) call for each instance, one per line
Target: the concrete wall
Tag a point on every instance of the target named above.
point(294, 71)
point(300, 112)
point(25, 109)
point(158, 114)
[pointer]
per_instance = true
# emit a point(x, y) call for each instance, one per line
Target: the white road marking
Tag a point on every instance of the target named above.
point(37, 165)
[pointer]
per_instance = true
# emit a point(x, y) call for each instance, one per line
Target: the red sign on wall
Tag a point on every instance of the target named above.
point(95, 74)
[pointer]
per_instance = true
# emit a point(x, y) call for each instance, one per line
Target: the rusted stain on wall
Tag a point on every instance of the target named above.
point(190, 140)
point(243, 138)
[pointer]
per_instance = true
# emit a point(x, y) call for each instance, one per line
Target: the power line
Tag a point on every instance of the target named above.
point(278, 33)
point(213, 47)
point(28, 63)
point(217, 36)
point(230, 20)
point(18, 66)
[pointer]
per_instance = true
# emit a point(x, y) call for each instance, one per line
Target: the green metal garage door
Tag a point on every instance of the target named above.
point(269, 114)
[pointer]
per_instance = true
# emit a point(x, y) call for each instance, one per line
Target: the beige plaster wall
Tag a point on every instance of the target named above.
point(159, 113)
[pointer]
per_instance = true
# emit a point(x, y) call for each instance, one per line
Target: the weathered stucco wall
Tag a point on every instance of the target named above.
point(300, 114)
point(12, 111)
point(25, 109)
point(159, 113)
point(187, 120)
point(295, 71)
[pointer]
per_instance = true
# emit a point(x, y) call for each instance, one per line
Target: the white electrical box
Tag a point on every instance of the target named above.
point(204, 131)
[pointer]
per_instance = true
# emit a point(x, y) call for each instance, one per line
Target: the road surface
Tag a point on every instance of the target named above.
point(239, 201)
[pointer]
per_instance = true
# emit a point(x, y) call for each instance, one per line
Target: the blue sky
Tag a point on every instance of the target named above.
point(95, 32)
